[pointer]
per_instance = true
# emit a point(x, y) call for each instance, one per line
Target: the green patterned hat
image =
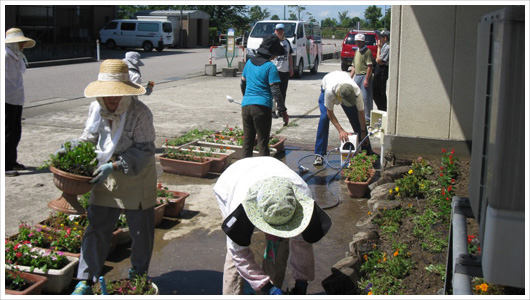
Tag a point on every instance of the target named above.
point(277, 207)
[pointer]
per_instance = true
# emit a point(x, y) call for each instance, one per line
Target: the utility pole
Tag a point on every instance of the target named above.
point(284, 12)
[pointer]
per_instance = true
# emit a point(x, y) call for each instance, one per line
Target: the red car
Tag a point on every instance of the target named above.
point(349, 47)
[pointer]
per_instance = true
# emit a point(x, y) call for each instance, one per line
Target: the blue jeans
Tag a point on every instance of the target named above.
point(321, 143)
point(367, 94)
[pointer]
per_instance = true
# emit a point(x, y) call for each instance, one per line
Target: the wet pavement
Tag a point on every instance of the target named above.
point(189, 251)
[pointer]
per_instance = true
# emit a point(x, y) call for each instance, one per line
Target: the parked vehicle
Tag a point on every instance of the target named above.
point(137, 33)
point(349, 47)
point(305, 39)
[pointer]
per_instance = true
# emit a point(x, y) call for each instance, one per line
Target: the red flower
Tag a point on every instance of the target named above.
point(19, 254)
point(470, 238)
point(452, 151)
point(453, 180)
point(231, 129)
point(449, 188)
point(441, 174)
point(443, 192)
point(443, 150)
point(441, 168)
point(447, 198)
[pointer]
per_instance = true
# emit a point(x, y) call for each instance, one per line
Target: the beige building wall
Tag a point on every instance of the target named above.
point(431, 86)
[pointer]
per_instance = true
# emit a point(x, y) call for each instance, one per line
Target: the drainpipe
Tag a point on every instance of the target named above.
point(460, 211)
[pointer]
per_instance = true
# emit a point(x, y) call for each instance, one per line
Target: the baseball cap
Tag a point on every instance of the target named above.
point(279, 26)
point(359, 37)
point(383, 33)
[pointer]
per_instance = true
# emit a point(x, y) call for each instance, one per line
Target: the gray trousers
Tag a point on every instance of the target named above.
point(367, 94)
point(96, 241)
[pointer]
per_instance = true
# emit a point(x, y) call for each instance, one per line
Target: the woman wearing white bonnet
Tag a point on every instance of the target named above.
point(15, 66)
point(132, 59)
point(121, 127)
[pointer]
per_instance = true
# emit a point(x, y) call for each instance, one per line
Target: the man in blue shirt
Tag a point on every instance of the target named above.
point(260, 84)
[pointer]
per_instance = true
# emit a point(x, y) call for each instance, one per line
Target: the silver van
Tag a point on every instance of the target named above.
point(137, 34)
point(305, 39)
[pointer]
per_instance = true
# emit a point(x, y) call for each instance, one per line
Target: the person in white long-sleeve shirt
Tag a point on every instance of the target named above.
point(264, 193)
point(15, 66)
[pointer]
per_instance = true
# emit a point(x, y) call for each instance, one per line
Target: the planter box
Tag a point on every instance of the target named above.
point(159, 213)
point(359, 189)
point(238, 150)
point(58, 280)
point(182, 167)
point(176, 204)
point(35, 287)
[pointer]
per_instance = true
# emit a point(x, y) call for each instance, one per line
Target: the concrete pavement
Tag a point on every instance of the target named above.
point(180, 106)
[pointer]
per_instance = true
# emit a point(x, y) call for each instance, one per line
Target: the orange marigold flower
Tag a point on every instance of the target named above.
point(396, 253)
point(370, 293)
point(365, 257)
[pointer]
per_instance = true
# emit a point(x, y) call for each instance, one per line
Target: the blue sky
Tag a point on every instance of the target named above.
point(323, 11)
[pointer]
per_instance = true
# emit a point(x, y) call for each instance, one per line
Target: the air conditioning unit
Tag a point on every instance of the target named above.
point(497, 170)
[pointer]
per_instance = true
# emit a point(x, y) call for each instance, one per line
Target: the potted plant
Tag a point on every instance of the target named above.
point(160, 208)
point(175, 200)
point(21, 283)
point(62, 238)
point(72, 170)
point(55, 266)
point(173, 161)
point(277, 143)
point(359, 174)
point(188, 137)
point(140, 285)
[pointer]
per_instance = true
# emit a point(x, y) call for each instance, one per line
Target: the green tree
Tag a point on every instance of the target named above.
point(299, 11)
point(343, 18)
point(329, 22)
point(275, 17)
point(293, 17)
point(354, 21)
point(372, 15)
point(386, 20)
point(256, 14)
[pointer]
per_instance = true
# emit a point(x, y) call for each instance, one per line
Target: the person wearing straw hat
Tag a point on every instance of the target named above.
point(122, 128)
point(338, 88)
point(260, 84)
point(15, 67)
point(265, 194)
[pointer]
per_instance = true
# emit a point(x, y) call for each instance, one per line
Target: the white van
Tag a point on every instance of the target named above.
point(305, 38)
point(136, 34)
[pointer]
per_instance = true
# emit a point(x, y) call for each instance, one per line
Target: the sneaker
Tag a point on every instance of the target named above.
point(19, 167)
point(82, 288)
point(11, 173)
point(318, 161)
point(133, 273)
point(274, 115)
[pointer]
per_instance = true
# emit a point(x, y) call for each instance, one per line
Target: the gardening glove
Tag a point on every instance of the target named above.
point(285, 117)
point(271, 289)
point(102, 173)
point(60, 151)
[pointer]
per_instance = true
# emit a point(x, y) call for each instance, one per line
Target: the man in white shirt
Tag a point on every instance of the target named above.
point(264, 193)
point(284, 63)
point(338, 88)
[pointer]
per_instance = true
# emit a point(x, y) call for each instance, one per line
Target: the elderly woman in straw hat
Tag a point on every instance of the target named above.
point(15, 66)
point(264, 193)
point(121, 127)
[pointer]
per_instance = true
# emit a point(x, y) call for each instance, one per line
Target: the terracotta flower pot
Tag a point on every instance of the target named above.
point(359, 189)
point(71, 185)
point(36, 282)
point(159, 212)
point(183, 167)
point(176, 204)
point(280, 145)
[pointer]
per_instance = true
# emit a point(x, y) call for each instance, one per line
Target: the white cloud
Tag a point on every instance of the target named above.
point(324, 14)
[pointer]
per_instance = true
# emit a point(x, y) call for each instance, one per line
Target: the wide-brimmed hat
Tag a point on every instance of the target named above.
point(271, 46)
point(15, 35)
point(360, 37)
point(277, 207)
point(346, 94)
point(113, 80)
point(134, 58)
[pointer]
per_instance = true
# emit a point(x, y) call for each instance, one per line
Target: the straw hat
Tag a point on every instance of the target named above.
point(15, 35)
point(277, 207)
point(113, 80)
